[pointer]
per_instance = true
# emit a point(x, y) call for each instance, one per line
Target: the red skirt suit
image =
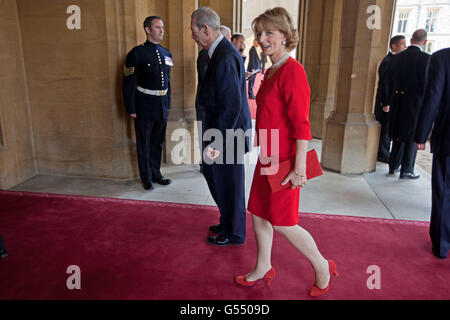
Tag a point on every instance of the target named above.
point(283, 104)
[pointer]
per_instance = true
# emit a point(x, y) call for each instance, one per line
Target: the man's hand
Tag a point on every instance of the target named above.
point(133, 115)
point(212, 153)
point(420, 146)
point(386, 109)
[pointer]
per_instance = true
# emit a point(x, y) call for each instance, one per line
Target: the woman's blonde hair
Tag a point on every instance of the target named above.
point(277, 19)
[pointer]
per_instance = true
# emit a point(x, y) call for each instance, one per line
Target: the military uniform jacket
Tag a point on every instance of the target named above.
point(406, 81)
point(147, 67)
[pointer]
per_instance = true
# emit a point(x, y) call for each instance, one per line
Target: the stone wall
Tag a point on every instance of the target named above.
point(16, 140)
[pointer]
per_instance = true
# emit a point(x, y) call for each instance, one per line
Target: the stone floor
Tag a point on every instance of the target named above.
point(375, 195)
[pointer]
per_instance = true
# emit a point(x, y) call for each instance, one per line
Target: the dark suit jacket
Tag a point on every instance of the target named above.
point(405, 78)
point(223, 93)
point(436, 105)
point(202, 67)
point(382, 85)
point(254, 62)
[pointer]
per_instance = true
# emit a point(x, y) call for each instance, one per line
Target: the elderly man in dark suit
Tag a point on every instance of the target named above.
point(436, 110)
point(223, 94)
point(397, 45)
point(405, 84)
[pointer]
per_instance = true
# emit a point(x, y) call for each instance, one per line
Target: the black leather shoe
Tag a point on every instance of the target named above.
point(392, 172)
point(437, 255)
point(163, 181)
point(217, 229)
point(221, 241)
point(3, 254)
point(410, 176)
point(148, 186)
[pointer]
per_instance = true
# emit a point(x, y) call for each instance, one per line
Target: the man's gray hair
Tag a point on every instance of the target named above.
point(206, 16)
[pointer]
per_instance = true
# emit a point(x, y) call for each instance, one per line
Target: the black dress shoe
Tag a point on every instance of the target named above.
point(3, 254)
point(410, 176)
point(438, 255)
point(217, 229)
point(163, 181)
point(392, 172)
point(222, 241)
point(148, 186)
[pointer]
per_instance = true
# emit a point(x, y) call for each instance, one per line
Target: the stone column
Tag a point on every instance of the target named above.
point(351, 133)
point(324, 98)
point(183, 79)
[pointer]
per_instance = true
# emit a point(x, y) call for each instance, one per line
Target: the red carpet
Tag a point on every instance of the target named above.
point(252, 102)
point(143, 250)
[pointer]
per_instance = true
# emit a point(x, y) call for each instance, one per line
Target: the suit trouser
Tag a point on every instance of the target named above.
point(251, 84)
point(385, 142)
point(150, 136)
point(440, 212)
point(226, 183)
point(403, 154)
point(2, 245)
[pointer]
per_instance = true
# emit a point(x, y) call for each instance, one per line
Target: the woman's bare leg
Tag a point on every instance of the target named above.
point(304, 242)
point(264, 238)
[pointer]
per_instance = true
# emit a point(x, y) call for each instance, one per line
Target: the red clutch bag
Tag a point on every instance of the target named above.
point(313, 170)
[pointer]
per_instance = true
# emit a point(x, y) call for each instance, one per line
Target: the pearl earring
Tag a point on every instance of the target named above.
point(284, 42)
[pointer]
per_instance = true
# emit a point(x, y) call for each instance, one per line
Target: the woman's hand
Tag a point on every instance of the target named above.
point(297, 180)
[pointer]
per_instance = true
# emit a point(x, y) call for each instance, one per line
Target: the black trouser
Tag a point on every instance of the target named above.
point(251, 84)
point(2, 245)
point(385, 142)
point(150, 136)
point(440, 212)
point(403, 154)
point(226, 183)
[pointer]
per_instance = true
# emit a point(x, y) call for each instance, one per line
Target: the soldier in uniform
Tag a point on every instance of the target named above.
point(146, 91)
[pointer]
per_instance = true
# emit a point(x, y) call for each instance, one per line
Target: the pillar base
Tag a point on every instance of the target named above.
point(321, 108)
point(350, 143)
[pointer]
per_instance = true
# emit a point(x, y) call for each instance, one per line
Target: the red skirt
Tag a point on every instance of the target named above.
point(281, 209)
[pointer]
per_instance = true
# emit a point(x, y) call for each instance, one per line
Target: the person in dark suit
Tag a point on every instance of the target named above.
point(223, 94)
point(3, 253)
point(436, 110)
point(146, 92)
point(405, 83)
point(254, 64)
point(397, 45)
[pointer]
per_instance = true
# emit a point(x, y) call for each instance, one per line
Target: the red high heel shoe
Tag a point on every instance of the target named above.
point(316, 291)
point(268, 278)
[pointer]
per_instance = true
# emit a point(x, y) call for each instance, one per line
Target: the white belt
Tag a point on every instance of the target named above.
point(158, 93)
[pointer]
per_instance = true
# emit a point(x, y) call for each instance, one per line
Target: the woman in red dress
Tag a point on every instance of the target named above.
point(283, 132)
